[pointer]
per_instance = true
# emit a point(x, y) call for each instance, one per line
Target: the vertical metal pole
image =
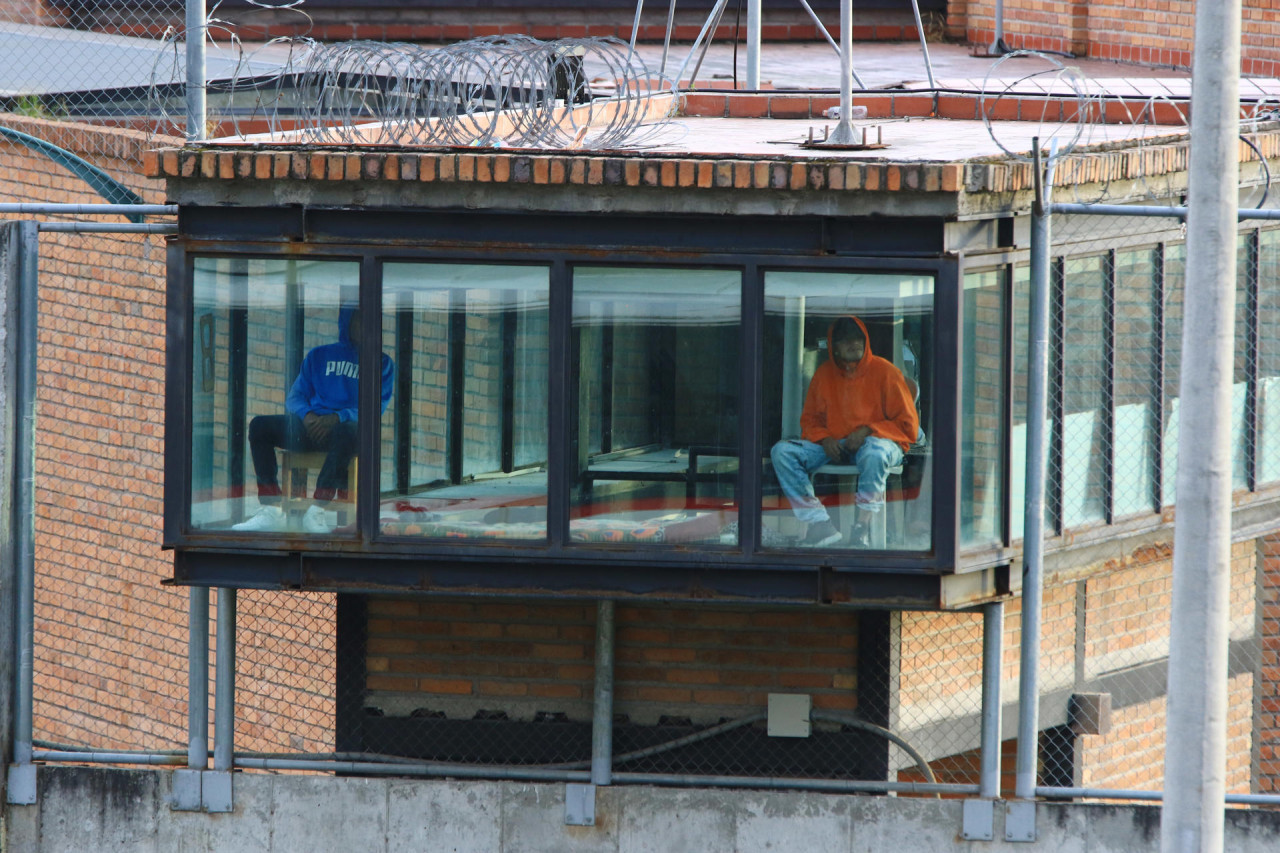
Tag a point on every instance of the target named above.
point(224, 699)
point(1195, 758)
point(992, 652)
point(1033, 520)
point(754, 26)
point(602, 701)
point(195, 70)
point(635, 31)
point(843, 134)
point(198, 678)
point(24, 505)
point(997, 44)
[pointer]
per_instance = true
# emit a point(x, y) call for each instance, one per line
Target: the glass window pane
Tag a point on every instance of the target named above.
point(274, 395)
point(1175, 279)
point(655, 440)
point(1269, 357)
point(1083, 390)
point(849, 461)
point(1021, 351)
point(982, 410)
point(464, 448)
point(1136, 380)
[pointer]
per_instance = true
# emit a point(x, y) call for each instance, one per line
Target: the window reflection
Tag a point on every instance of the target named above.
point(846, 410)
point(654, 457)
point(464, 449)
point(1137, 376)
point(1082, 469)
point(274, 396)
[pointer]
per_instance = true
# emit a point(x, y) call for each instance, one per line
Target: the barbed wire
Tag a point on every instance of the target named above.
point(499, 91)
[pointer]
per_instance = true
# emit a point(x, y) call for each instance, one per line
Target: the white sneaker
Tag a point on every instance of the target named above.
point(267, 518)
point(316, 520)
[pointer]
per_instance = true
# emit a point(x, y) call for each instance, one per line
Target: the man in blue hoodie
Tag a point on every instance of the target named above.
point(322, 406)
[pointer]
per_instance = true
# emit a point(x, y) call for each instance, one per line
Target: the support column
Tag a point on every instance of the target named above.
point(992, 653)
point(1195, 754)
point(602, 703)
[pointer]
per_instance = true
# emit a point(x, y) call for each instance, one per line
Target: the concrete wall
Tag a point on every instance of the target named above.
point(108, 810)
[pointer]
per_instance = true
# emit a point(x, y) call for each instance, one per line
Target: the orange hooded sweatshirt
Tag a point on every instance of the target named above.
point(871, 393)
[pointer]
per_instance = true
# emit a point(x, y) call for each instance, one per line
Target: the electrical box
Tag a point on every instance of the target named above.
point(789, 714)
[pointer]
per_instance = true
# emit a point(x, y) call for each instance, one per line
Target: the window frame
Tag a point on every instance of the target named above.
point(369, 542)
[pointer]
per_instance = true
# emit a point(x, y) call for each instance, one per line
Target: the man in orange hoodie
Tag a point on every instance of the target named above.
point(858, 409)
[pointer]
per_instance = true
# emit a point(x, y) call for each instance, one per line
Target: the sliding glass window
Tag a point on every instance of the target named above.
point(464, 447)
point(654, 458)
point(847, 392)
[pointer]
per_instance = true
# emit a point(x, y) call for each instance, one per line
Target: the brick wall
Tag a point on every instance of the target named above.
point(1154, 32)
point(111, 642)
point(461, 658)
point(1268, 687)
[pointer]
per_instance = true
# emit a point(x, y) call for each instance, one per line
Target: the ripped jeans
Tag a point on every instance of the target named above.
point(795, 460)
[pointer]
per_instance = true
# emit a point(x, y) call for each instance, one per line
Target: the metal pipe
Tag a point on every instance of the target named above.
point(151, 759)
point(693, 77)
point(822, 28)
point(635, 31)
point(843, 133)
point(992, 654)
point(666, 39)
point(371, 768)
point(924, 44)
point(1037, 457)
point(198, 678)
point(1196, 728)
point(836, 785)
point(24, 502)
point(34, 208)
point(1147, 210)
point(602, 701)
point(195, 24)
point(1118, 794)
point(109, 228)
point(713, 17)
point(754, 27)
point(224, 699)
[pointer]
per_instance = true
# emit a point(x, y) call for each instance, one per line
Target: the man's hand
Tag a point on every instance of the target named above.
point(832, 448)
point(853, 441)
point(319, 426)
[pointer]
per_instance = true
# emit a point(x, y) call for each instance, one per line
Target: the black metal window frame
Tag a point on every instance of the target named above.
point(556, 550)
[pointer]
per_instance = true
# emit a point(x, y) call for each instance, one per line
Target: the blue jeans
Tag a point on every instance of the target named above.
point(795, 460)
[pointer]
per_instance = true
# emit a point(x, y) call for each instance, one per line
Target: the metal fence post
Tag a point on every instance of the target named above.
point(992, 652)
point(21, 788)
point(196, 107)
point(1195, 753)
point(602, 704)
point(1033, 520)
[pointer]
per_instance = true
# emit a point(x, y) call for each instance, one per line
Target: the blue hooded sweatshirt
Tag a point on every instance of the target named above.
point(328, 382)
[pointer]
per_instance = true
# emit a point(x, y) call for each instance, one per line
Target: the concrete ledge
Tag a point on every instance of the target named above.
point(82, 808)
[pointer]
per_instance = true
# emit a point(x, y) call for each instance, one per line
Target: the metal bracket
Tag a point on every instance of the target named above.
point(1020, 821)
point(202, 791)
point(21, 787)
point(215, 791)
point(979, 820)
point(186, 791)
point(579, 804)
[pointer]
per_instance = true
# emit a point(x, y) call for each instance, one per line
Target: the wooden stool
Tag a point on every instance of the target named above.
point(294, 465)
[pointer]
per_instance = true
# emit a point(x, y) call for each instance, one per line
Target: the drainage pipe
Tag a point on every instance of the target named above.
point(34, 208)
point(109, 228)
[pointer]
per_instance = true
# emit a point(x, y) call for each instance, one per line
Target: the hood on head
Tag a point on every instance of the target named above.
point(344, 322)
point(831, 350)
